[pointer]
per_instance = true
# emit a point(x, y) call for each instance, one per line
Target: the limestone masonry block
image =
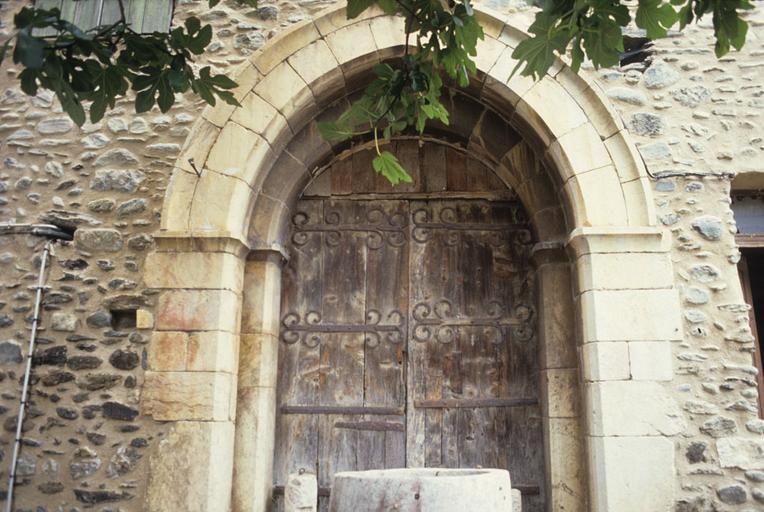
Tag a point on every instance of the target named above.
point(579, 151)
point(606, 361)
point(198, 310)
point(563, 445)
point(212, 351)
point(621, 315)
point(651, 360)
point(624, 271)
point(632, 474)
point(284, 45)
point(631, 408)
point(561, 391)
point(197, 270)
point(597, 198)
point(259, 360)
point(192, 452)
point(168, 351)
point(549, 110)
point(188, 396)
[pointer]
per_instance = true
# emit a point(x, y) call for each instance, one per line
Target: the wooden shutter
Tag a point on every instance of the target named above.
point(144, 16)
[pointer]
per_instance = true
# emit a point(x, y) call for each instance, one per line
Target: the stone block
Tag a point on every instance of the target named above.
point(262, 298)
point(631, 408)
point(596, 198)
point(628, 162)
point(239, 153)
point(314, 61)
point(188, 396)
point(631, 474)
point(623, 315)
point(285, 90)
point(261, 117)
point(270, 223)
point(624, 271)
point(566, 474)
point(578, 151)
point(651, 360)
point(255, 439)
point(198, 310)
point(191, 468)
point(213, 351)
point(355, 50)
point(388, 32)
point(167, 351)
point(488, 52)
point(180, 194)
point(606, 361)
point(556, 327)
point(197, 145)
point(561, 393)
point(593, 101)
point(639, 206)
point(741, 453)
point(197, 270)
point(221, 203)
point(549, 110)
point(285, 44)
point(258, 366)
point(144, 319)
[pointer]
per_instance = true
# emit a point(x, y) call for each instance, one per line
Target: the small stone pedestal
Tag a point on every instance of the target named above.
point(422, 490)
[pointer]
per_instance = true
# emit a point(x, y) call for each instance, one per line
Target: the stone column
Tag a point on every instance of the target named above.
point(629, 315)
point(192, 369)
point(258, 365)
point(559, 379)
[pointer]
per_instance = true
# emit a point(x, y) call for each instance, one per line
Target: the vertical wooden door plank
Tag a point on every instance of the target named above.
point(299, 354)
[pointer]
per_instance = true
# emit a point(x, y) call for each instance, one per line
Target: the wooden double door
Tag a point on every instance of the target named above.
point(408, 339)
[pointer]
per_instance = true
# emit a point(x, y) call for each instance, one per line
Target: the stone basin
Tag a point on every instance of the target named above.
point(422, 490)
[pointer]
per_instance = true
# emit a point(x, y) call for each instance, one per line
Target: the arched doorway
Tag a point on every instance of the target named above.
point(408, 324)
point(225, 229)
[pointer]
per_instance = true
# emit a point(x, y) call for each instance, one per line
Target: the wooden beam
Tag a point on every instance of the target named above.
point(474, 403)
point(379, 426)
point(332, 409)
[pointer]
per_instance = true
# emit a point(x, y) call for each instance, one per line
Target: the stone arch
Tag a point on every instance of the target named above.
point(556, 142)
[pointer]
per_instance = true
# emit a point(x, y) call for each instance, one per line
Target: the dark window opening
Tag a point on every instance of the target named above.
point(635, 50)
point(748, 207)
point(144, 16)
point(122, 319)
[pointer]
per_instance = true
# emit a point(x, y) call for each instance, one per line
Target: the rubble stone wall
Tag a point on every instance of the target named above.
point(696, 120)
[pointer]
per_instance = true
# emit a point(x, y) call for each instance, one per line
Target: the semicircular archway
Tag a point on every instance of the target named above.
point(556, 142)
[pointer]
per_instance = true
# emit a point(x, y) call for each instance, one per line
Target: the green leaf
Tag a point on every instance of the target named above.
point(29, 51)
point(389, 6)
point(144, 101)
point(388, 166)
point(193, 24)
point(656, 17)
point(335, 132)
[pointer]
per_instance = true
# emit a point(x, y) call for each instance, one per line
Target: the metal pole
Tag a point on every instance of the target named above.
point(27, 372)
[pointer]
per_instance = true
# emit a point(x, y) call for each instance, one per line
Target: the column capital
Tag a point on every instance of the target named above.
point(201, 241)
point(617, 239)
